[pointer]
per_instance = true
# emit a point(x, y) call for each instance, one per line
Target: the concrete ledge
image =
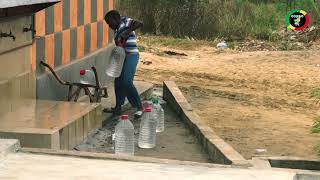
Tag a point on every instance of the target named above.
point(219, 151)
point(107, 156)
point(260, 163)
point(307, 177)
point(292, 163)
point(51, 124)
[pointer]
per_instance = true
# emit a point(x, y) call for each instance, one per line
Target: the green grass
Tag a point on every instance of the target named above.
point(171, 42)
point(316, 93)
point(317, 148)
point(232, 20)
point(316, 125)
point(316, 129)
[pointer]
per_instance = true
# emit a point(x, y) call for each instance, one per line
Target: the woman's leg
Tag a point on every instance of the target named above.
point(119, 90)
point(129, 70)
point(120, 96)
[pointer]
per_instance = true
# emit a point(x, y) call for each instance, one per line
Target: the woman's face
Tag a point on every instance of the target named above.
point(113, 23)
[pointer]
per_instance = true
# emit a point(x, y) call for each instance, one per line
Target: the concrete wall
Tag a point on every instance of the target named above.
point(17, 81)
point(15, 62)
point(15, 89)
point(15, 53)
point(70, 35)
point(48, 88)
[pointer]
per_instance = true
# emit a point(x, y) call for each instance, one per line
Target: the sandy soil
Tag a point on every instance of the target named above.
point(253, 100)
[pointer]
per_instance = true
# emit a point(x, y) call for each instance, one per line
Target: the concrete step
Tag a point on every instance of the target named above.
point(50, 124)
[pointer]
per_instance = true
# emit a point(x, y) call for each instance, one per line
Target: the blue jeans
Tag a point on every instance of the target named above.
point(124, 86)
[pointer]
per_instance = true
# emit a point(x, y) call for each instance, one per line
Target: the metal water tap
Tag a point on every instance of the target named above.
point(7, 35)
point(29, 29)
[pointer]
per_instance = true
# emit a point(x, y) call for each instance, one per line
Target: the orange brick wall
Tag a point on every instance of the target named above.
point(68, 31)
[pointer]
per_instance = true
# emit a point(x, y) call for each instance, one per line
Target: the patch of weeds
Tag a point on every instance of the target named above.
point(287, 45)
point(316, 93)
point(171, 42)
point(316, 129)
point(233, 44)
point(141, 48)
point(317, 148)
point(316, 125)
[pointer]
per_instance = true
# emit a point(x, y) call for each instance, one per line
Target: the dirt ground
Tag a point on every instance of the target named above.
point(253, 100)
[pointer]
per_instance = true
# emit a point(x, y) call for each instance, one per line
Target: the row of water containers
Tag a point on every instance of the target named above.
point(152, 122)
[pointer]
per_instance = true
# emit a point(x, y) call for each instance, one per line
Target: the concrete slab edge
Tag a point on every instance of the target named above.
point(219, 151)
point(108, 156)
point(290, 162)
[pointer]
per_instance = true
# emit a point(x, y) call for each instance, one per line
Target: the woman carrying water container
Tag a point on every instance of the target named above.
point(125, 37)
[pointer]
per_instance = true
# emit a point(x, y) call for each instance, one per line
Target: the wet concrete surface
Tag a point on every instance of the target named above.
point(176, 142)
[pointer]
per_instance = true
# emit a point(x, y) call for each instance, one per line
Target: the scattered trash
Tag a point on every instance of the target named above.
point(254, 45)
point(293, 37)
point(289, 40)
point(261, 150)
point(163, 101)
point(146, 62)
point(172, 53)
point(222, 45)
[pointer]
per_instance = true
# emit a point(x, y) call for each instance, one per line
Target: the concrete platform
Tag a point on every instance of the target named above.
point(36, 166)
point(57, 124)
point(72, 165)
point(50, 124)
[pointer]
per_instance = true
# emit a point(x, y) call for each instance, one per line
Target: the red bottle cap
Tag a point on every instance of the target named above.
point(124, 117)
point(148, 109)
point(82, 72)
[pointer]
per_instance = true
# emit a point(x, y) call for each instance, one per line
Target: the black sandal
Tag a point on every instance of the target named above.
point(138, 114)
point(114, 111)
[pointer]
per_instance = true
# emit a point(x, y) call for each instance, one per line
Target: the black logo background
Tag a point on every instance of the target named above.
point(302, 22)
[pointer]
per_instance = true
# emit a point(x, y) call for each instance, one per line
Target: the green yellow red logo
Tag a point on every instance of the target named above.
point(298, 20)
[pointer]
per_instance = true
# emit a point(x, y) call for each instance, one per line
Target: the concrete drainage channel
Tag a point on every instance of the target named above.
point(177, 142)
point(186, 140)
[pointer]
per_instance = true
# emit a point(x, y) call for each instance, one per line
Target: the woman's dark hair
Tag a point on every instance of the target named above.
point(113, 14)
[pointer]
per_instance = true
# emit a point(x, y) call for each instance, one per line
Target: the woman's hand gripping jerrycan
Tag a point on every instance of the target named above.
point(118, 56)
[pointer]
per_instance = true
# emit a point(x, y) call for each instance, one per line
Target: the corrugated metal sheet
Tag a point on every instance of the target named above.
point(13, 8)
point(17, 3)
